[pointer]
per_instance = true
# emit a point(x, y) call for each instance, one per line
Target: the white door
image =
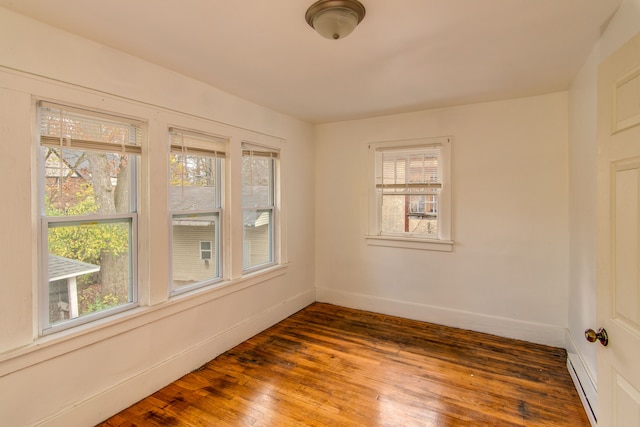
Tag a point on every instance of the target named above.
point(618, 230)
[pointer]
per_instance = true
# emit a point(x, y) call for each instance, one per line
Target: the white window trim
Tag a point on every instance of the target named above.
point(374, 236)
point(215, 146)
point(275, 207)
point(44, 327)
point(154, 299)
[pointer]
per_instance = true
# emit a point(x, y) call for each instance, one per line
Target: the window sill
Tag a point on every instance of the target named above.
point(408, 243)
point(71, 339)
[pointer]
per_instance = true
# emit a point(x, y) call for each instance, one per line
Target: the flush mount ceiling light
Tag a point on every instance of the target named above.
point(335, 19)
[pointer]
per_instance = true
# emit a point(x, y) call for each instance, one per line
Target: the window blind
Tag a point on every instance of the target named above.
point(75, 128)
point(408, 170)
point(183, 142)
point(249, 149)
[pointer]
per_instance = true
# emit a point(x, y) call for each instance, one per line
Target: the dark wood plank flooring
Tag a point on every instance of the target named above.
point(333, 366)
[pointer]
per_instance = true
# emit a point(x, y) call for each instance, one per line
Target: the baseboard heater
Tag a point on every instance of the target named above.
point(585, 387)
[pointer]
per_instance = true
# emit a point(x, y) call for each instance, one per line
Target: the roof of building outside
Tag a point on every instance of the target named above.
point(63, 268)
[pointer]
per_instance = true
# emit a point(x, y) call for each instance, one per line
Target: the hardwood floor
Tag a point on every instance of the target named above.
point(333, 366)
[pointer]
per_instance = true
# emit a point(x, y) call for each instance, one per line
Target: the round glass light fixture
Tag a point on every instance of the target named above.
point(335, 19)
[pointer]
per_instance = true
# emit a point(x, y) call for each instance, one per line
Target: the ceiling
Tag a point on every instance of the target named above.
point(406, 55)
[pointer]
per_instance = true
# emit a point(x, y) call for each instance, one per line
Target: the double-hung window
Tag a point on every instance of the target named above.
point(88, 199)
point(258, 206)
point(409, 193)
point(196, 165)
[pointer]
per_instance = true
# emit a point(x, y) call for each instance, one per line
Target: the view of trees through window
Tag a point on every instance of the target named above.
point(88, 204)
point(88, 196)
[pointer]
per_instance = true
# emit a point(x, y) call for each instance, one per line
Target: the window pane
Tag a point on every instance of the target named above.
point(89, 267)
point(408, 166)
point(82, 182)
point(257, 181)
point(70, 123)
point(193, 183)
point(409, 214)
point(195, 249)
point(257, 238)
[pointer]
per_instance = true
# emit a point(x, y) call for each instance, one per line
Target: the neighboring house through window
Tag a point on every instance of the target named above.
point(410, 194)
point(196, 165)
point(258, 206)
point(88, 198)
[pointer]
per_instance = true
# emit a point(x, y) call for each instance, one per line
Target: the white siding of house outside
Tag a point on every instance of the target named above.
point(257, 244)
point(187, 265)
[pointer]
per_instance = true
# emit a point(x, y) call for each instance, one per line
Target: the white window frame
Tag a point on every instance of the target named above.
point(217, 150)
point(45, 328)
point(375, 237)
point(273, 206)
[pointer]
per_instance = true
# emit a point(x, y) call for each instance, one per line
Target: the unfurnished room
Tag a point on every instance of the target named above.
point(320, 213)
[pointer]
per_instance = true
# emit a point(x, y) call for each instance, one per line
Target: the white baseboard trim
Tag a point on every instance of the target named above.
point(97, 408)
point(582, 380)
point(509, 328)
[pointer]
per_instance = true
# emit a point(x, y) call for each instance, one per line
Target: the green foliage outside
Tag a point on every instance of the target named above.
point(91, 300)
point(86, 242)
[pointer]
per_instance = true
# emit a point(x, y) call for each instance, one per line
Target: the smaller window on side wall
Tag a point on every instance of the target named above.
point(259, 187)
point(196, 164)
point(410, 194)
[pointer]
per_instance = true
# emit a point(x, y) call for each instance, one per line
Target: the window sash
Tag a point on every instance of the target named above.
point(187, 196)
point(65, 168)
point(270, 191)
point(216, 256)
point(47, 223)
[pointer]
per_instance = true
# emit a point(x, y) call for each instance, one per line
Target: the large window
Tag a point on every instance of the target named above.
point(258, 206)
point(410, 191)
point(195, 200)
point(88, 202)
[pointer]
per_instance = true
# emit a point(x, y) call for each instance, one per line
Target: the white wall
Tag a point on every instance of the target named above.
point(582, 167)
point(83, 375)
point(508, 272)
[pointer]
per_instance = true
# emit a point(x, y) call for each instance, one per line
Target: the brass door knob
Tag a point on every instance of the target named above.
point(593, 336)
